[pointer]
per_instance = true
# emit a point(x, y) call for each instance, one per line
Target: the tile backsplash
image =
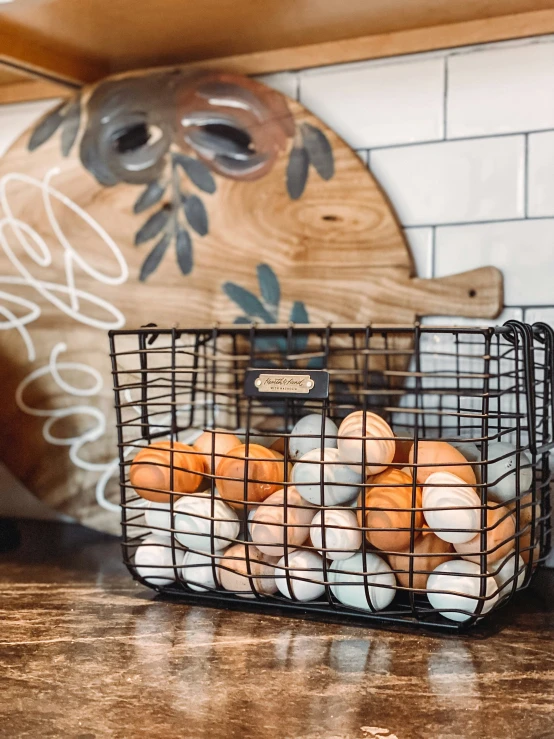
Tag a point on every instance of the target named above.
point(462, 142)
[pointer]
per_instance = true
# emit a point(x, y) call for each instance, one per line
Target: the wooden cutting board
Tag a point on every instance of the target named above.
point(338, 250)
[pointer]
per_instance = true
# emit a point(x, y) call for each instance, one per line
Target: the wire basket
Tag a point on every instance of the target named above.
point(370, 474)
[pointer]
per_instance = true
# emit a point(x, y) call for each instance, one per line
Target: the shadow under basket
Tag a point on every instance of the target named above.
point(397, 475)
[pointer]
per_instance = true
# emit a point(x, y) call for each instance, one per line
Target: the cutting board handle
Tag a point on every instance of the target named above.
point(474, 294)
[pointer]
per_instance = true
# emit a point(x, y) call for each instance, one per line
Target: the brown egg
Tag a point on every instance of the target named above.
point(435, 551)
point(442, 457)
point(279, 445)
point(151, 469)
point(396, 503)
point(265, 472)
point(500, 531)
point(234, 574)
point(525, 528)
point(219, 441)
point(402, 451)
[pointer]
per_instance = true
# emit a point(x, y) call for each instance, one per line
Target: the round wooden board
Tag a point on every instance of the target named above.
point(338, 249)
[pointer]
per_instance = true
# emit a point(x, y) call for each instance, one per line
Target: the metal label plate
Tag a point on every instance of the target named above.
point(312, 383)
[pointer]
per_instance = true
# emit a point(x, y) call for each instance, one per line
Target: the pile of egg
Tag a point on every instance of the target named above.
point(302, 534)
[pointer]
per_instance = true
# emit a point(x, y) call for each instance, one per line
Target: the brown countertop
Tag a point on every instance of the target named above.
point(86, 653)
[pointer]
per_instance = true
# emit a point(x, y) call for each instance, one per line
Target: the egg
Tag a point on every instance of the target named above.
point(247, 577)
point(500, 538)
point(347, 581)
point(501, 472)
point(463, 520)
point(150, 472)
point(340, 481)
point(526, 534)
point(463, 581)
point(471, 452)
point(343, 536)
point(380, 445)
point(306, 435)
point(508, 570)
point(264, 471)
point(212, 444)
point(193, 522)
point(402, 451)
point(158, 517)
point(438, 456)
point(388, 515)
point(198, 571)
point(305, 570)
point(267, 525)
point(157, 562)
point(428, 553)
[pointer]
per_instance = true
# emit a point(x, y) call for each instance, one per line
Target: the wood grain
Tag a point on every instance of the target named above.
point(83, 41)
point(339, 249)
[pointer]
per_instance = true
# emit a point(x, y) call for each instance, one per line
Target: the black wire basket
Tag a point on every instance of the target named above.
point(373, 474)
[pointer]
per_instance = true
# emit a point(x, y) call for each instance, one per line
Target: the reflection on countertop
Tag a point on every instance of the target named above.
point(87, 653)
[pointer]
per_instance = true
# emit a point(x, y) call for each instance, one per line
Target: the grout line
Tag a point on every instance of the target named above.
point(445, 101)
point(297, 91)
point(476, 223)
point(526, 176)
point(482, 137)
point(434, 252)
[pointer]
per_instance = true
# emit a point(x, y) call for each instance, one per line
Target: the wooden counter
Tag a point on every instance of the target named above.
point(86, 654)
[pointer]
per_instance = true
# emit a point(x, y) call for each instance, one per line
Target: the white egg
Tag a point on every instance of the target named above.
point(471, 453)
point(158, 517)
point(154, 560)
point(340, 481)
point(463, 521)
point(193, 522)
point(198, 572)
point(505, 571)
point(306, 435)
point(342, 532)
point(463, 581)
point(306, 575)
point(347, 581)
point(501, 473)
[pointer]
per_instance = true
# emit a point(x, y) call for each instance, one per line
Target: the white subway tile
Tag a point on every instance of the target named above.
point(540, 174)
point(546, 315)
point(16, 118)
point(421, 246)
point(522, 250)
point(454, 181)
point(285, 82)
point(379, 104)
point(500, 90)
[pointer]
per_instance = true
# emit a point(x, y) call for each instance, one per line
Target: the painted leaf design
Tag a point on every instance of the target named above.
point(197, 172)
point(269, 287)
point(297, 172)
point(242, 319)
point(319, 150)
point(196, 214)
point(183, 246)
point(151, 195)
point(271, 344)
point(153, 226)
point(247, 302)
point(47, 127)
point(70, 125)
point(299, 314)
point(152, 261)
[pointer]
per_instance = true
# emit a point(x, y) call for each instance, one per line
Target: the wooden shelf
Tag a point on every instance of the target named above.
point(79, 42)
